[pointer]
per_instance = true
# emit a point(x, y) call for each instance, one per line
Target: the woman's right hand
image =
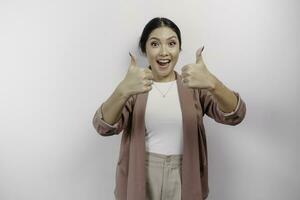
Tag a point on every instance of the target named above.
point(137, 80)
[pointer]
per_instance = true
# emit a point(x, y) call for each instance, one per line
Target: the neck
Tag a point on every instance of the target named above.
point(170, 77)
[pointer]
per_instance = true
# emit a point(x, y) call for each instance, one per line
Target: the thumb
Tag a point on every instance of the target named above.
point(199, 54)
point(133, 60)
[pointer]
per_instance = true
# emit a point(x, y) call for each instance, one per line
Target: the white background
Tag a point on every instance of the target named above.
point(61, 59)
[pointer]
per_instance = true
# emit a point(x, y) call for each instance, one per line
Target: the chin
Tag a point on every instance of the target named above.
point(164, 72)
point(163, 69)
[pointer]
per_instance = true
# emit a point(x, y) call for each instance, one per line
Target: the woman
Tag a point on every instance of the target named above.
point(163, 153)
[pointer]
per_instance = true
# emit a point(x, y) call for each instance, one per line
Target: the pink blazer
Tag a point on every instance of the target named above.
point(130, 171)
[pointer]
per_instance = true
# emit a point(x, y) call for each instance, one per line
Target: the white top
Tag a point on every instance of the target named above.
point(163, 120)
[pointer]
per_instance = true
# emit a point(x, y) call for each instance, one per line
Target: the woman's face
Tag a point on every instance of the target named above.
point(162, 50)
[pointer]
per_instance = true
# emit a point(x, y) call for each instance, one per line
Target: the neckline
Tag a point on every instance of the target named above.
point(176, 77)
point(169, 82)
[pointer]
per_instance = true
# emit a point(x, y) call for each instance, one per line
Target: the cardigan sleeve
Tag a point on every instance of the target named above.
point(210, 107)
point(106, 129)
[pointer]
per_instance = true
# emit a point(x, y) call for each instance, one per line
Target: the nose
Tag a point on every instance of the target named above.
point(163, 50)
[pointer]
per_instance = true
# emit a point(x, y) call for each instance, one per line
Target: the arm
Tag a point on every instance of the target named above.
point(227, 100)
point(113, 115)
point(217, 101)
point(211, 106)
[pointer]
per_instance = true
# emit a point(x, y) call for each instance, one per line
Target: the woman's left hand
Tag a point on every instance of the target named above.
point(197, 75)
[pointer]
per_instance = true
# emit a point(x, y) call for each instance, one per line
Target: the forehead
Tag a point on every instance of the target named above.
point(162, 33)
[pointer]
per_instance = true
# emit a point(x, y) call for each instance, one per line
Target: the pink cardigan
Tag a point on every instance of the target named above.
point(130, 178)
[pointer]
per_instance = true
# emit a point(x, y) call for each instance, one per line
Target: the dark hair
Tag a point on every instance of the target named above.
point(156, 23)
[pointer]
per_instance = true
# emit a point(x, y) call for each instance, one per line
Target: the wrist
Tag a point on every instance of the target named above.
point(122, 91)
point(216, 84)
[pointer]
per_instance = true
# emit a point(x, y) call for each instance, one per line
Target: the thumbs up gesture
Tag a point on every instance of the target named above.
point(197, 75)
point(137, 80)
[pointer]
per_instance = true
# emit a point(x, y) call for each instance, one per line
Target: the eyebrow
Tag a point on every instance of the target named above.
point(159, 39)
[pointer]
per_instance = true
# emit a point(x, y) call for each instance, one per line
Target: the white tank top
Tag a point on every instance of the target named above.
point(163, 120)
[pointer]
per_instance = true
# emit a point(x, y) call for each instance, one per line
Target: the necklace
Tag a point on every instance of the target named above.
point(164, 94)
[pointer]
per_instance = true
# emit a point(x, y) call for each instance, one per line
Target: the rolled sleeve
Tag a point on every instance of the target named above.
point(235, 110)
point(210, 107)
point(104, 125)
point(106, 129)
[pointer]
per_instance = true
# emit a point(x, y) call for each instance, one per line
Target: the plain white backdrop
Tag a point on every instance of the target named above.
point(61, 59)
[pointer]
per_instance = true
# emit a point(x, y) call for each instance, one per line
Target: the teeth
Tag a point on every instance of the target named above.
point(164, 61)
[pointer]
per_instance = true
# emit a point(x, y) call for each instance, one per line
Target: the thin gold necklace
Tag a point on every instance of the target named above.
point(164, 94)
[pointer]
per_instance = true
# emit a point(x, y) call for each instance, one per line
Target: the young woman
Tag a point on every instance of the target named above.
point(163, 152)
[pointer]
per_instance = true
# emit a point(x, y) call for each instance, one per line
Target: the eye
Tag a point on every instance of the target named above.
point(172, 43)
point(154, 44)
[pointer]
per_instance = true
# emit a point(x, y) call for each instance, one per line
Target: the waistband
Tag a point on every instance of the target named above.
point(161, 159)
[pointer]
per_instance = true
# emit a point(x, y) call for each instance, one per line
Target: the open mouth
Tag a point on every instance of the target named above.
point(163, 62)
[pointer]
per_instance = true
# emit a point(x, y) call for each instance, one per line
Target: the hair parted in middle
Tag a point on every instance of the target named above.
point(154, 23)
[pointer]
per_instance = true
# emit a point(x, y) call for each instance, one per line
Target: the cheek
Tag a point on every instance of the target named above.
point(151, 56)
point(174, 52)
point(151, 52)
point(151, 60)
point(175, 57)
